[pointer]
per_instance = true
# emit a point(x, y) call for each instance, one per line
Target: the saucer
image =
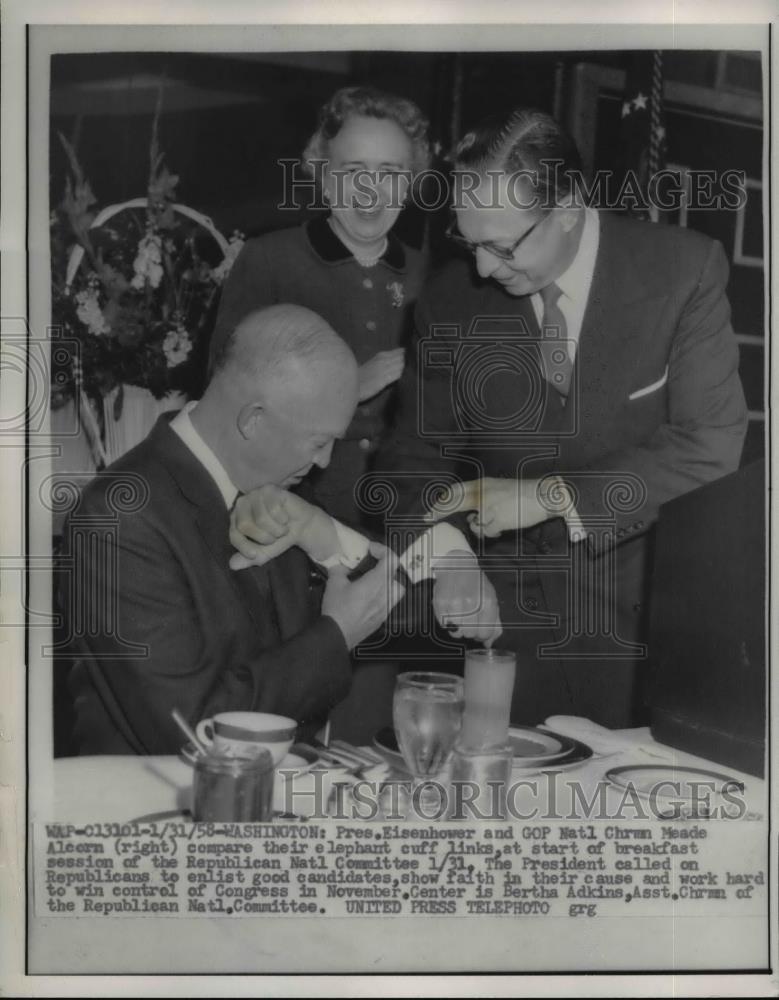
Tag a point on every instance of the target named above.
point(535, 746)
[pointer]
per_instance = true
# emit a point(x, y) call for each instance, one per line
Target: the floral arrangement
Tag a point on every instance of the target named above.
point(134, 290)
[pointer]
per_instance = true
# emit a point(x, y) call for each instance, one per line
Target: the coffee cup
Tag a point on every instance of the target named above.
point(241, 733)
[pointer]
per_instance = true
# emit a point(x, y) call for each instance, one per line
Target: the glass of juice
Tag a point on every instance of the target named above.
point(489, 683)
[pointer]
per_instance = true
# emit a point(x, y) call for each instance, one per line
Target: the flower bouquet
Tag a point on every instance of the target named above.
point(134, 290)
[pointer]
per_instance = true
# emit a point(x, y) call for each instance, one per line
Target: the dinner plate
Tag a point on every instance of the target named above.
point(534, 746)
point(578, 754)
point(185, 816)
point(668, 783)
point(534, 749)
point(300, 758)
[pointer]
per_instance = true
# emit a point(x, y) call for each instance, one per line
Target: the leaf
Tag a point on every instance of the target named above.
point(70, 152)
point(162, 183)
point(119, 402)
point(76, 203)
point(162, 186)
point(155, 157)
point(78, 194)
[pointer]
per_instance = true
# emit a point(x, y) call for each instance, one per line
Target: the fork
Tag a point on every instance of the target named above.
point(342, 755)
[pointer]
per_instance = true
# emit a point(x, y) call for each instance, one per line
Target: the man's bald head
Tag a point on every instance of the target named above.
point(283, 390)
point(282, 342)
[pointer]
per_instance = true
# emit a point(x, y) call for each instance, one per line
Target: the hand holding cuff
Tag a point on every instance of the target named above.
point(557, 498)
point(420, 559)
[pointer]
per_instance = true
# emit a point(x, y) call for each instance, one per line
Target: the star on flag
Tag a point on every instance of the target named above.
point(639, 101)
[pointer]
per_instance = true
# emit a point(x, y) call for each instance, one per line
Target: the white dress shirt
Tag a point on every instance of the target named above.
point(575, 283)
point(185, 429)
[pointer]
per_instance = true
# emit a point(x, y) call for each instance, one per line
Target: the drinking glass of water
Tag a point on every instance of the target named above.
point(427, 712)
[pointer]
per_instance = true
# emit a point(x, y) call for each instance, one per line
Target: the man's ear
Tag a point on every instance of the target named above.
point(569, 216)
point(250, 419)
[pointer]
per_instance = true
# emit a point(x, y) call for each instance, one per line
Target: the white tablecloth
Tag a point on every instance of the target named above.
point(124, 788)
point(120, 788)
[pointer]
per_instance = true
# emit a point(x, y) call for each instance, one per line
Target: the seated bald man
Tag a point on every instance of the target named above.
point(158, 619)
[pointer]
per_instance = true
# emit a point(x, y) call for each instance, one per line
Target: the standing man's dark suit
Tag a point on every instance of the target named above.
point(178, 627)
point(655, 409)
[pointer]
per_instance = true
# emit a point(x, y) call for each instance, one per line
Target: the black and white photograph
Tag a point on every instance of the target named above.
point(387, 438)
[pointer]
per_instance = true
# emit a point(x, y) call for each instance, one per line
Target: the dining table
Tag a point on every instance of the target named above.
point(121, 789)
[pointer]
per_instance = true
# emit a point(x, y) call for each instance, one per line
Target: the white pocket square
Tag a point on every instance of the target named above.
point(651, 388)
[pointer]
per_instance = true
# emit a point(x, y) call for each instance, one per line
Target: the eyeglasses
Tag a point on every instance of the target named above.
point(504, 253)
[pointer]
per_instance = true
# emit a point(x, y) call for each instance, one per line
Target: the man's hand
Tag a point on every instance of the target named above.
point(465, 598)
point(382, 370)
point(500, 505)
point(269, 520)
point(359, 608)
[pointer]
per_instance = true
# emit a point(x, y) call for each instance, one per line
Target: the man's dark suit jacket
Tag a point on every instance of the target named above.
point(159, 620)
point(656, 408)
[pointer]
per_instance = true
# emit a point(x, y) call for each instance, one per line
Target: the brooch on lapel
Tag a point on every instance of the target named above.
point(398, 293)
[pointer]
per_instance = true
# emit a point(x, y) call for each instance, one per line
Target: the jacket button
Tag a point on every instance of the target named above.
point(531, 604)
point(365, 444)
point(545, 547)
point(370, 325)
point(636, 607)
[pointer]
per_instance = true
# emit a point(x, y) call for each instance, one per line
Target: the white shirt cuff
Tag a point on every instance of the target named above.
point(575, 525)
point(434, 545)
point(420, 558)
point(354, 547)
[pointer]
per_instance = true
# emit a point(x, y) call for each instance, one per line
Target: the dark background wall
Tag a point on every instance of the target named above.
point(228, 118)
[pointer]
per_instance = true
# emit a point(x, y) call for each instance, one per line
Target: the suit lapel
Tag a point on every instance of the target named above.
point(617, 321)
point(289, 581)
point(251, 586)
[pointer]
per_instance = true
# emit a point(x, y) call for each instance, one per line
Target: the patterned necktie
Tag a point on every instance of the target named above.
point(557, 364)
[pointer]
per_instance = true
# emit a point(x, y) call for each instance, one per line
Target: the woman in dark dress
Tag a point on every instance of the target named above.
point(347, 266)
point(350, 268)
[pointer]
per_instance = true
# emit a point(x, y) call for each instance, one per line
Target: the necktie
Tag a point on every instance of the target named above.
point(557, 364)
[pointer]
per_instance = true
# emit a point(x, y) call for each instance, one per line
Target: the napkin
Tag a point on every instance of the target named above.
point(605, 742)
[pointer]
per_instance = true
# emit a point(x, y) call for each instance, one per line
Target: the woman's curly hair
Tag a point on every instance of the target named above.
point(370, 103)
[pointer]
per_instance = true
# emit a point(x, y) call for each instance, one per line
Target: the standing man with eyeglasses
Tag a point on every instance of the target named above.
point(575, 373)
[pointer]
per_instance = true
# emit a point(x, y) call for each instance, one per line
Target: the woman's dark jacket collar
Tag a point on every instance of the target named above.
point(331, 250)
